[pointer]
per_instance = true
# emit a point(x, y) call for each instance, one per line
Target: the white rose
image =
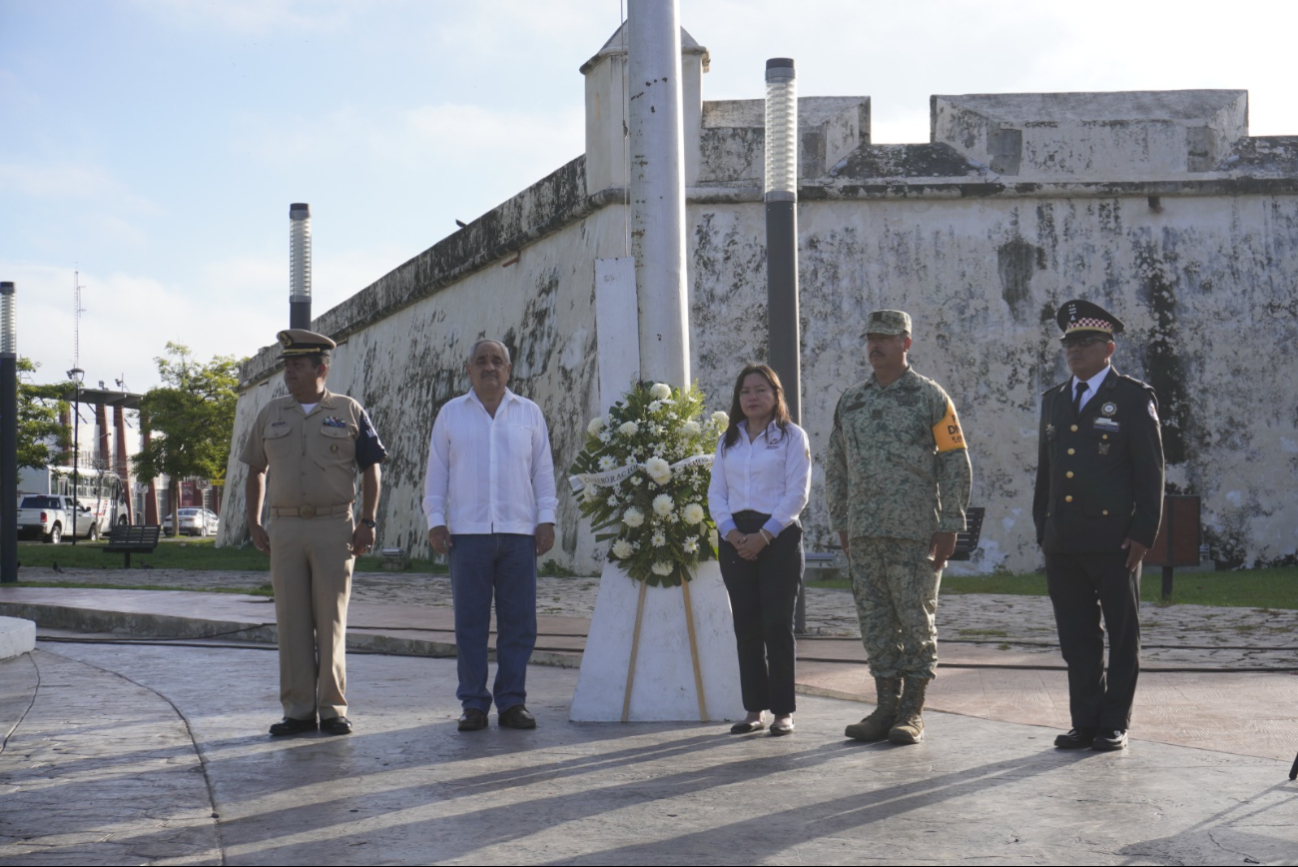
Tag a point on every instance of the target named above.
point(693, 513)
point(622, 549)
point(596, 425)
point(721, 420)
point(692, 428)
point(663, 505)
point(628, 429)
point(660, 390)
point(659, 470)
point(661, 568)
point(633, 517)
point(658, 540)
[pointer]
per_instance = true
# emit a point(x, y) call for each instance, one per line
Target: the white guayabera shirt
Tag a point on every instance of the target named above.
point(770, 475)
point(490, 475)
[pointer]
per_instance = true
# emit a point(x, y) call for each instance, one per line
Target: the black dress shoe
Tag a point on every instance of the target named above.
point(747, 728)
point(472, 720)
point(290, 726)
point(517, 717)
point(782, 728)
point(1107, 740)
point(1076, 739)
point(338, 725)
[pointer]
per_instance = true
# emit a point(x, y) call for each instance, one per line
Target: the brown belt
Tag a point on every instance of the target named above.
point(310, 511)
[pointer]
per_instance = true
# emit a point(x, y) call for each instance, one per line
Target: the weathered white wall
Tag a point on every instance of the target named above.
point(1155, 205)
point(1213, 278)
point(1142, 135)
point(1210, 278)
point(404, 367)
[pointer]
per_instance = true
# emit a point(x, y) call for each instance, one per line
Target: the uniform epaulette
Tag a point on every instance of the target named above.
point(1143, 385)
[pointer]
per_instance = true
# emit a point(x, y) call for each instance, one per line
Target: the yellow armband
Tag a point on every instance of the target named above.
point(946, 433)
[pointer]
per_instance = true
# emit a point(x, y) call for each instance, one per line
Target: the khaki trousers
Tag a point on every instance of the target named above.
point(311, 572)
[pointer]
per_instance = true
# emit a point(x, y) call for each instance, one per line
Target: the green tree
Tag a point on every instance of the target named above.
point(40, 435)
point(191, 416)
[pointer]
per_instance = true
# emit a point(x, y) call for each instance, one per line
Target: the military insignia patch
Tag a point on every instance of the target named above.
point(1104, 448)
point(334, 421)
point(1153, 411)
point(1109, 408)
point(1050, 431)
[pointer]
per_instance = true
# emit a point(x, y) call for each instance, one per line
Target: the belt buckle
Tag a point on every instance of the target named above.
point(306, 511)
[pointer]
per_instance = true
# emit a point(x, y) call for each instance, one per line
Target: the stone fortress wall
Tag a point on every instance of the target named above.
point(1157, 205)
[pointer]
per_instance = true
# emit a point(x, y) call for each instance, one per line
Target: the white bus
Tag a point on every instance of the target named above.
point(101, 491)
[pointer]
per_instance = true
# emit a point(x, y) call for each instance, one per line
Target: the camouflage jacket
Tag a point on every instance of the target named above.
point(897, 464)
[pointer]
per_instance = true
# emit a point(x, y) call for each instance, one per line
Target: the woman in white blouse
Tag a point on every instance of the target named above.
point(761, 478)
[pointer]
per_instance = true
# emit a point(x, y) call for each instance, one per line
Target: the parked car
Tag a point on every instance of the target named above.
point(49, 517)
point(194, 522)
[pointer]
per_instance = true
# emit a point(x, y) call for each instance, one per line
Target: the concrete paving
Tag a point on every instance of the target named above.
point(136, 754)
point(1218, 678)
point(131, 753)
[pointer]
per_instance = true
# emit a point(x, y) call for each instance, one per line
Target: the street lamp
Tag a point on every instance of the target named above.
point(299, 265)
point(781, 196)
point(8, 435)
point(76, 374)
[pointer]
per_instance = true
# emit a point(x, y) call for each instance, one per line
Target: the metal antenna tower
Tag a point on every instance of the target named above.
point(77, 310)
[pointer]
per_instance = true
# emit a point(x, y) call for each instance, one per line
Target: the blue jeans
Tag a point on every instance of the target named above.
point(503, 564)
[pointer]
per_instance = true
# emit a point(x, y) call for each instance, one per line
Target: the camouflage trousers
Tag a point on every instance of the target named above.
point(896, 602)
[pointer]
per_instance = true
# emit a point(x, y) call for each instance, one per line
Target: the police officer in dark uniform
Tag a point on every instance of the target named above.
point(1098, 502)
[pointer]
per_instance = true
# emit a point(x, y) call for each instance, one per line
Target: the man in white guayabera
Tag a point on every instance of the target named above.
point(490, 500)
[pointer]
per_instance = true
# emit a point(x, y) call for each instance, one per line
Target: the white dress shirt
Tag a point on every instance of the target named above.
point(770, 475)
point(490, 475)
point(1092, 387)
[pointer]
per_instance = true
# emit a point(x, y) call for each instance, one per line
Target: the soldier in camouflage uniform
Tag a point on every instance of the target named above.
point(897, 479)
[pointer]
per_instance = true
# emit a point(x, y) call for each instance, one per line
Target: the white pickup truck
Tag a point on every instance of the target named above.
point(47, 516)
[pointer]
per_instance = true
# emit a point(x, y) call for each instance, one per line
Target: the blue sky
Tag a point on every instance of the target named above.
point(155, 145)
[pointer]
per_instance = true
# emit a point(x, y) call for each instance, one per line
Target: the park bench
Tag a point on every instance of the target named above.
point(967, 542)
point(394, 559)
point(131, 539)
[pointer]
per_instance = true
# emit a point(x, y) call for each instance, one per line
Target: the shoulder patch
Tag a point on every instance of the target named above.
point(946, 433)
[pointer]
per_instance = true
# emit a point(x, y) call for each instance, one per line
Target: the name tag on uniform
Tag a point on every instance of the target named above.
point(1102, 423)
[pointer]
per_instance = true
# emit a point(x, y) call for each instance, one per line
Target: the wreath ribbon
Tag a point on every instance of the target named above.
point(612, 477)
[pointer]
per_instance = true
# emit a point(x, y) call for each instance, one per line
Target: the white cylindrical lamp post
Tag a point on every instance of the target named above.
point(784, 331)
point(781, 197)
point(299, 265)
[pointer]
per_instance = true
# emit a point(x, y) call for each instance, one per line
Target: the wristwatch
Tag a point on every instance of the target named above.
point(369, 522)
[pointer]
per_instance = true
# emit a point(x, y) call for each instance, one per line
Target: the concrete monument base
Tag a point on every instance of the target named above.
point(663, 687)
point(18, 636)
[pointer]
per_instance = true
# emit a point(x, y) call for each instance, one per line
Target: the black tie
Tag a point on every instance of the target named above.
point(1077, 401)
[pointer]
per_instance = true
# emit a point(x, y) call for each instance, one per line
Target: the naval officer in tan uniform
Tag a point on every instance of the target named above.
point(312, 442)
